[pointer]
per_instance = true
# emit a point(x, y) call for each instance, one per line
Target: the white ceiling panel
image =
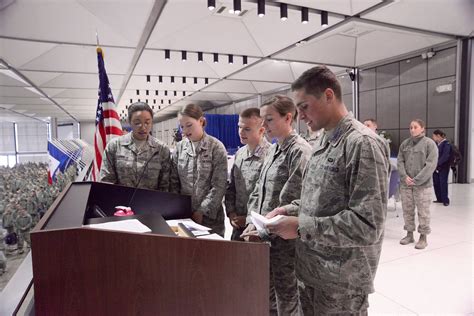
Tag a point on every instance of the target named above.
point(263, 87)
point(232, 86)
point(40, 77)
point(329, 49)
point(267, 70)
point(199, 29)
point(353, 43)
point(81, 81)
point(299, 68)
point(139, 82)
point(73, 93)
point(209, 96)
point(271, 34)
point(8, 78)
point(17, 53)
point(451, 17)
point(77, 102)
point(19, 100)
point(81, 59)
point(346, 7)
point(238, 96)
point(17, 92)
point(76, 21)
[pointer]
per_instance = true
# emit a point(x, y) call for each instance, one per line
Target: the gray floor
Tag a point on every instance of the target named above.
point(13, 262)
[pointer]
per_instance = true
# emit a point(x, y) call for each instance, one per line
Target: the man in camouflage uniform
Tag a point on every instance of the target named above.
point(246, 169)
point(342, 211)
point(23, 224)
point(136, 159)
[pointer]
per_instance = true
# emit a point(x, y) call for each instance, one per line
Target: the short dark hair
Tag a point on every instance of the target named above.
point(371, 119)
point(316, 80)
point(250, 112)
point(138, 106)
point(420, 122)
point(439, 133)
point(283, 105)
point(193, 110)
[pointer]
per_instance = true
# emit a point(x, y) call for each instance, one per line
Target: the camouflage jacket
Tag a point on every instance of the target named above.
point(201, 174)
point(244, 176)
point(123, 164)
point(279, 182)
point(417, 158)
point(342, 210)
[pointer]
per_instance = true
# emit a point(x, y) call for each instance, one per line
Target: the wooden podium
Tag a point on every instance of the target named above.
point(84, 271)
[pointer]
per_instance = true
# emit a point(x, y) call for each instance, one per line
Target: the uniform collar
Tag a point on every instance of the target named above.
point(334, 135)
point(204, 144)
point(128, 140)
point(259, 150)
point(287, 141)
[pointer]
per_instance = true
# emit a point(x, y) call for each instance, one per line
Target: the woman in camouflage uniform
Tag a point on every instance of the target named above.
point(417, 160)
point(137, 159)
point(279, 183)
point(200, 169)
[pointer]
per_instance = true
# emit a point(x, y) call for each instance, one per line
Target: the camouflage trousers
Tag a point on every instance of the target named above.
point(421, 199)
point(318, 302)
point(23, 235)
point(283, 286)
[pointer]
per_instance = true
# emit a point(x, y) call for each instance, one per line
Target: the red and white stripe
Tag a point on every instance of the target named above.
point(106, 130)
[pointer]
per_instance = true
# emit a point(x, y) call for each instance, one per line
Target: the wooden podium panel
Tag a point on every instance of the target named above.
point(85, 271)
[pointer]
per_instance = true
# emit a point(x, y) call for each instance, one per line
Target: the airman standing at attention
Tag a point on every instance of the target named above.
point(246, 169)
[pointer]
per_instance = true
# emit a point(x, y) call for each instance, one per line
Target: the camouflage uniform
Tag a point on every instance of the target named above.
point(417, 158)
point(203, 175)
point(124, 164)
point(342, 214)
point(243, 177)
point(23, 224)
point(279, 183)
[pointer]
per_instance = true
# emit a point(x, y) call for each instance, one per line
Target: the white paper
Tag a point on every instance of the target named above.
point(211, 236)
point(129, 225)
point(189, 223)
point(261, 221)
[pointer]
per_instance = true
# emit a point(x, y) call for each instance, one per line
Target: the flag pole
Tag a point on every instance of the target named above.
point(99, 50)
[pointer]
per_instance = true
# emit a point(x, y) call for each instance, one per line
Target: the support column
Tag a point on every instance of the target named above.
point(54, 128)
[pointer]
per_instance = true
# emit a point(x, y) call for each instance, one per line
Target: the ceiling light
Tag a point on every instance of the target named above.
point(146, 101)
point(206, 80)
point(216, 58)
point(211, 4)
point(199, 57)
point(184, 55)
point(154, 101)
point(147, 92)
point(261, 8)
point(167, 54)
point(231, 59)
point(148, 78)
point(138, 92)
point(166, 92)
point(156, 92)
point(245, 61)
point(184, 93)
point(172, 79)
point(195, 80)
point(161, 101)
point(237, 6)
point(324, 19)
point(160, 79)
point(175, 93)
point(304, 15)
point(184, 79)
point(131, 101)
point(169, 101)
point(283, 11)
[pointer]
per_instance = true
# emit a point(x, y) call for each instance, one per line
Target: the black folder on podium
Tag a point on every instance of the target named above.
point(84, 271)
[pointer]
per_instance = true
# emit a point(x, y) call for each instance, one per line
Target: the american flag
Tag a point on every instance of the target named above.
point(107, 121)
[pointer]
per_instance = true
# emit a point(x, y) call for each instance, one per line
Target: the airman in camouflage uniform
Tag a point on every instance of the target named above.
point(124, 163)
point(417, 160)
point(243, 177)
point(23, 224)
point(202, 173)
point(343, 203)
